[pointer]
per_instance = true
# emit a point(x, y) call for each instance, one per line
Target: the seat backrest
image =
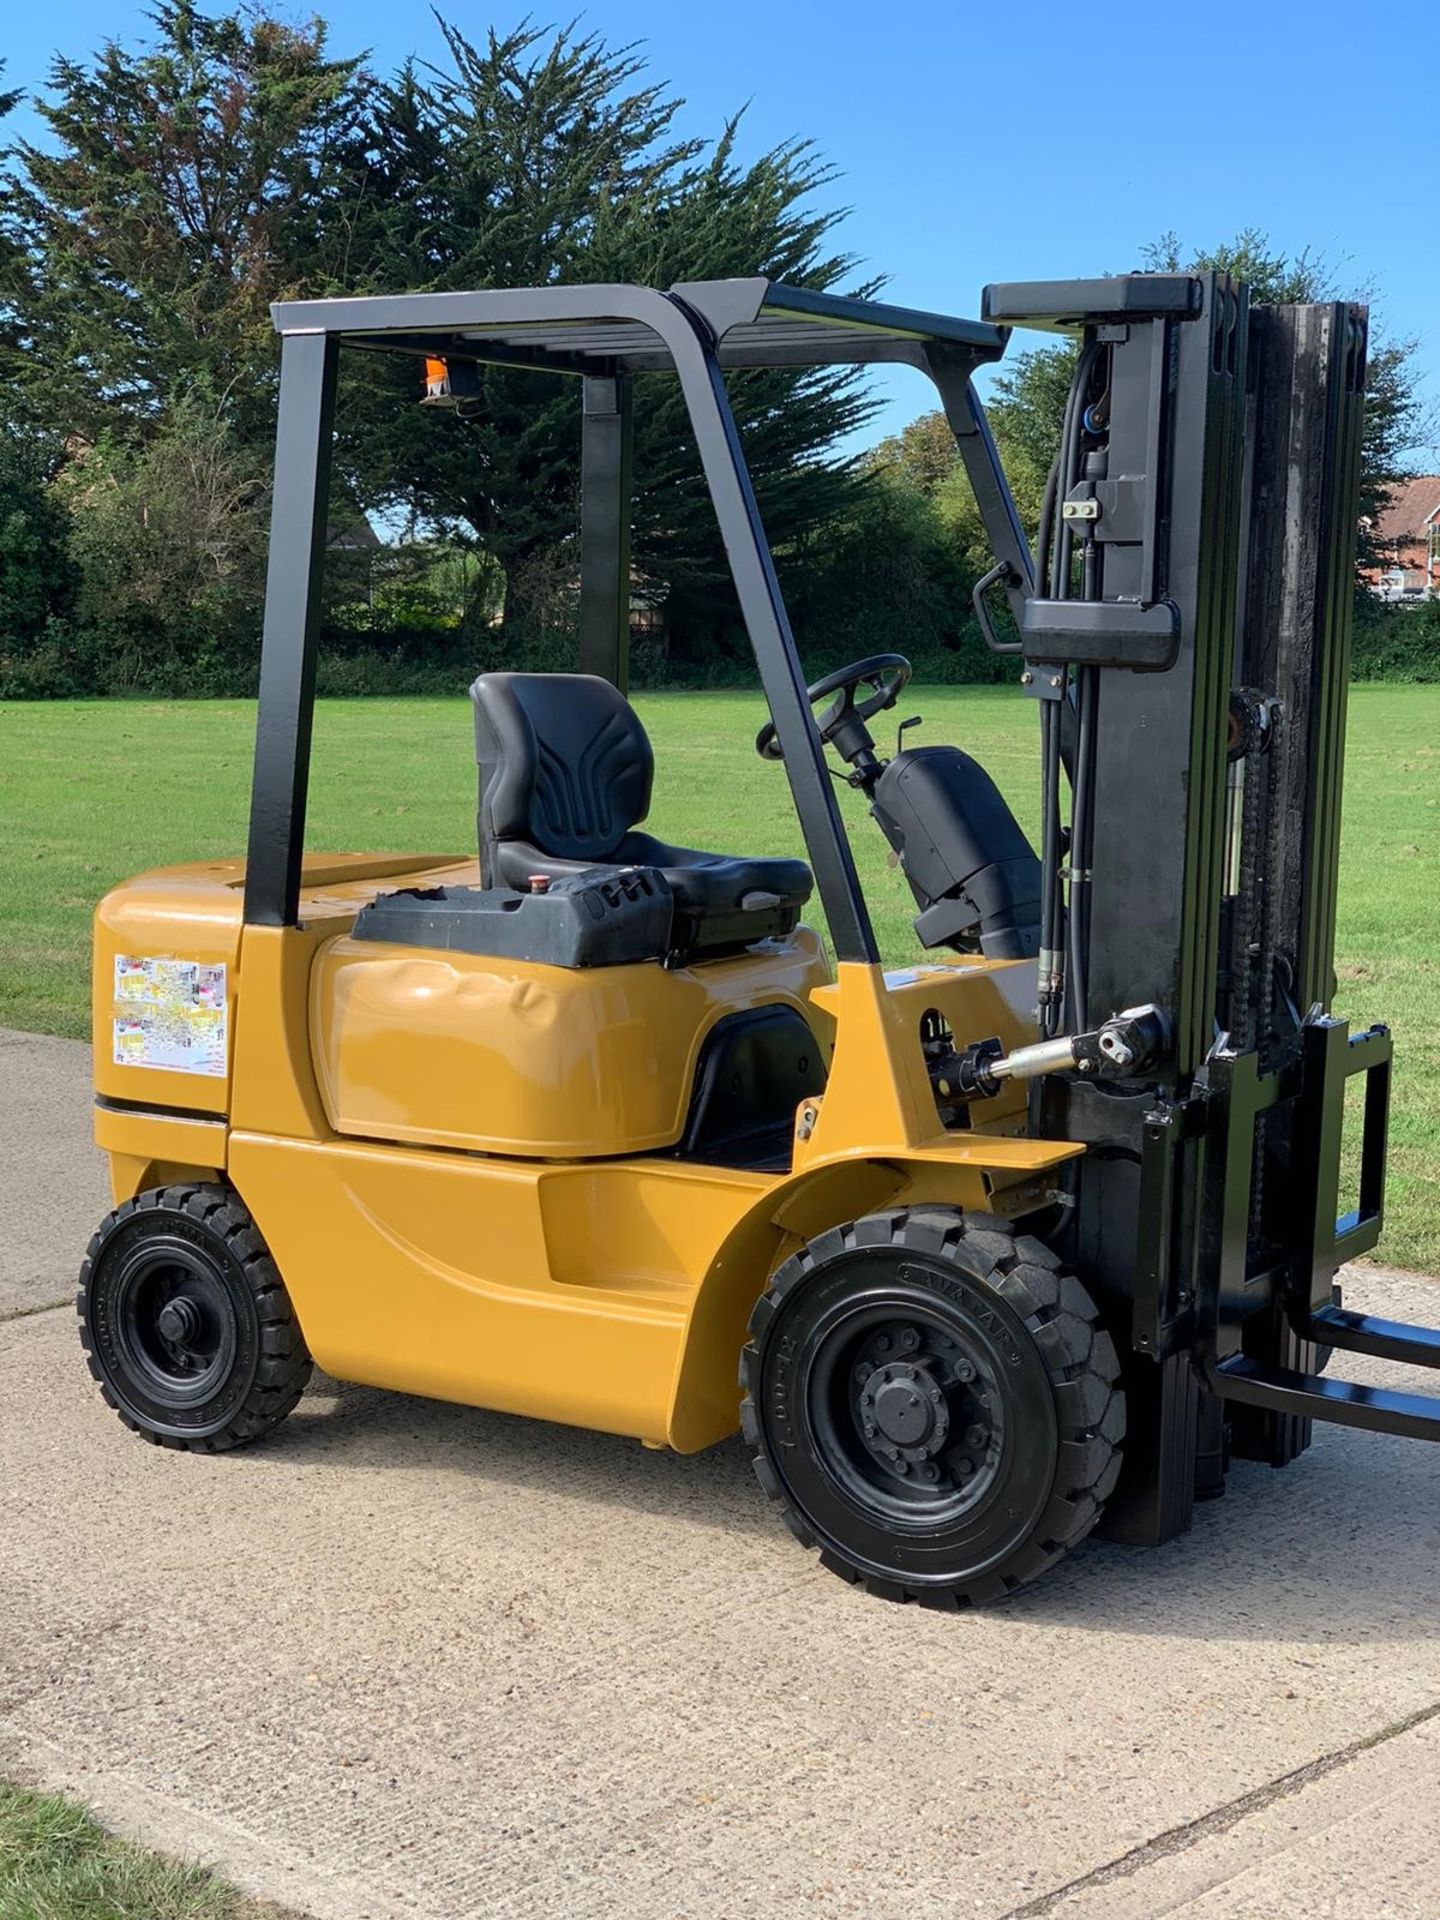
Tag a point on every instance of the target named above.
point(565, 764)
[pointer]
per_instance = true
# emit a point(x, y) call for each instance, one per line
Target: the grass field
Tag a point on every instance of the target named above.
point(93, 791)
point(57, 1864)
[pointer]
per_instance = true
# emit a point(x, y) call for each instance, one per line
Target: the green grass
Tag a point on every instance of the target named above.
point(92, 791)
point(56, 1863)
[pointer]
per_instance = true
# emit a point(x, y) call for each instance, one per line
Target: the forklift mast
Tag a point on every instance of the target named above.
point(1189, 639)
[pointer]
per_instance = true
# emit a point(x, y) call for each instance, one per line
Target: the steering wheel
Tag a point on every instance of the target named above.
point(887, 674)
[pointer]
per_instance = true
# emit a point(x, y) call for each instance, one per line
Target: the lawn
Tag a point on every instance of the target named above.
point(57, 1864)
point(92, 791)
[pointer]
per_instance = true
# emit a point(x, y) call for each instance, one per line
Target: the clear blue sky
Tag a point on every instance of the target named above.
point(961, 130)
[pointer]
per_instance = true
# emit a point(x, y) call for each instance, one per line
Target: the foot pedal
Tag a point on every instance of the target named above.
point(1345, 1403)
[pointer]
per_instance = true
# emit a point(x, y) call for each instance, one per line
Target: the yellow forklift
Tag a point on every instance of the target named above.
point(589, 1128)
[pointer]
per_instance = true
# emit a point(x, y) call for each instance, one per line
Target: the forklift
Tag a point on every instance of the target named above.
point(1022, 1240)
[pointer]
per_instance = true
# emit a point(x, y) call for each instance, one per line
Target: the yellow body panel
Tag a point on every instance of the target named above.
point(563, 1277)
point(561, 1292)
point(508, 1057)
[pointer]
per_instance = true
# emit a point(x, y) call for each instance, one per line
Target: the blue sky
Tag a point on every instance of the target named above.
point(1025, 140)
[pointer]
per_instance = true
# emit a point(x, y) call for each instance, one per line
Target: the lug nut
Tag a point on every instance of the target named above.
point(975, 1436)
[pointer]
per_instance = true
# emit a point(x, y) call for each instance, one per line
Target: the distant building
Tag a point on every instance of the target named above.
point(1407, 539)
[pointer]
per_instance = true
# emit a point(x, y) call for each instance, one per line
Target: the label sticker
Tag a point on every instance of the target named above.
point(170, 1014)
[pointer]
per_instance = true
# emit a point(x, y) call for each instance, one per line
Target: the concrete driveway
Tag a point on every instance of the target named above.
point(412, 1660)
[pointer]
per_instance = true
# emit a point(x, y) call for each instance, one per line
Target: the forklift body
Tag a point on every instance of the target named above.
point(583, 1125)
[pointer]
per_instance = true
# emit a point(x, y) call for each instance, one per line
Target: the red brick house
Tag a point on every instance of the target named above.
point(1408, 537)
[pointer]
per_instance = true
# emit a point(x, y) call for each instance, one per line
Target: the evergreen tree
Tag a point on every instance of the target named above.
point(531, 160)
point(184, 186)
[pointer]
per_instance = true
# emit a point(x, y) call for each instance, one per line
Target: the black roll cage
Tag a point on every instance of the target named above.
point(603, 335)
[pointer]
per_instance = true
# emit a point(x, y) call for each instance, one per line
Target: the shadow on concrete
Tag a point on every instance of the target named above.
point(1341, 1546)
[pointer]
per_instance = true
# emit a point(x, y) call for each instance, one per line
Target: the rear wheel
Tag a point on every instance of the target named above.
point(933, 1403)
point(186, 1323)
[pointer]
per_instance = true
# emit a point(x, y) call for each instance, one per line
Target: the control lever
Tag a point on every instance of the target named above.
point(904, 727)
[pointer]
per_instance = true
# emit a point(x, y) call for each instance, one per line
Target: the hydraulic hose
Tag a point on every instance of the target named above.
point(1051, 959)
point(1081, 850)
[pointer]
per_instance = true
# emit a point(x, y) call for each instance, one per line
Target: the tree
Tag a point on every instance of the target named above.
point(166, 541)
point(532, 159)
point(922, 453)
point(184, 187)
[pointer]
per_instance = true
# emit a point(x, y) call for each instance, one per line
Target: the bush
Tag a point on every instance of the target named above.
point(1396, 643)
point(37, 577)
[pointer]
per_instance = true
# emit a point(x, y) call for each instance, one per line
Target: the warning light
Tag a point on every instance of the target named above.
point(437, 385)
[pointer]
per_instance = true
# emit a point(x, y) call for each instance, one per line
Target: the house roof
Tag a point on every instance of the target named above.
point(1413, 504)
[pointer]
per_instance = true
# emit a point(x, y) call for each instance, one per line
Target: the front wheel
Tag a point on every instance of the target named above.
point(932, 1401)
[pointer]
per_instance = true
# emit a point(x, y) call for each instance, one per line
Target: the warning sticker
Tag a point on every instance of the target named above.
point(171, 1014)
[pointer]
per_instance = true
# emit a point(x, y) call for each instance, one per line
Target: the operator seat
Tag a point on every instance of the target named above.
point(565, 777)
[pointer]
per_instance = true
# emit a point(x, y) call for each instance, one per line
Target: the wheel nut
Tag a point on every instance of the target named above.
point(902, 1466)
point(964, 1370)
point(882, 1345)
point(909, 1338)
point(965, 1468)
point(869, 1429)
point(929, 1471)
point(975, 1436)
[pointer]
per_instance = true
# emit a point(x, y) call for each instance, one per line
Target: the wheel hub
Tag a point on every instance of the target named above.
point(179, 1323)
point(907, 1407)
point(922, 1411)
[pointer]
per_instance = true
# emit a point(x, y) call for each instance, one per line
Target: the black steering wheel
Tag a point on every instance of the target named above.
point(843, 723)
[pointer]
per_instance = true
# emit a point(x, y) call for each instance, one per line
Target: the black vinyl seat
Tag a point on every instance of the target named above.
point(565, 776)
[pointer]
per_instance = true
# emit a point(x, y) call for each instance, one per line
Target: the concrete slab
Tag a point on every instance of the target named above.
point(1354, 1840)
point(53, 1189)
point(447, 1663)
point(411, 1659)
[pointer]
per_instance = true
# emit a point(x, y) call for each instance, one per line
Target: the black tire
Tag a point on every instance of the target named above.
point(959, 1349)
point(186, 1323)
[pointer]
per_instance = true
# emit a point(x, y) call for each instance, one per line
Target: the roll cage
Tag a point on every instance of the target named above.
point(603, 336)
